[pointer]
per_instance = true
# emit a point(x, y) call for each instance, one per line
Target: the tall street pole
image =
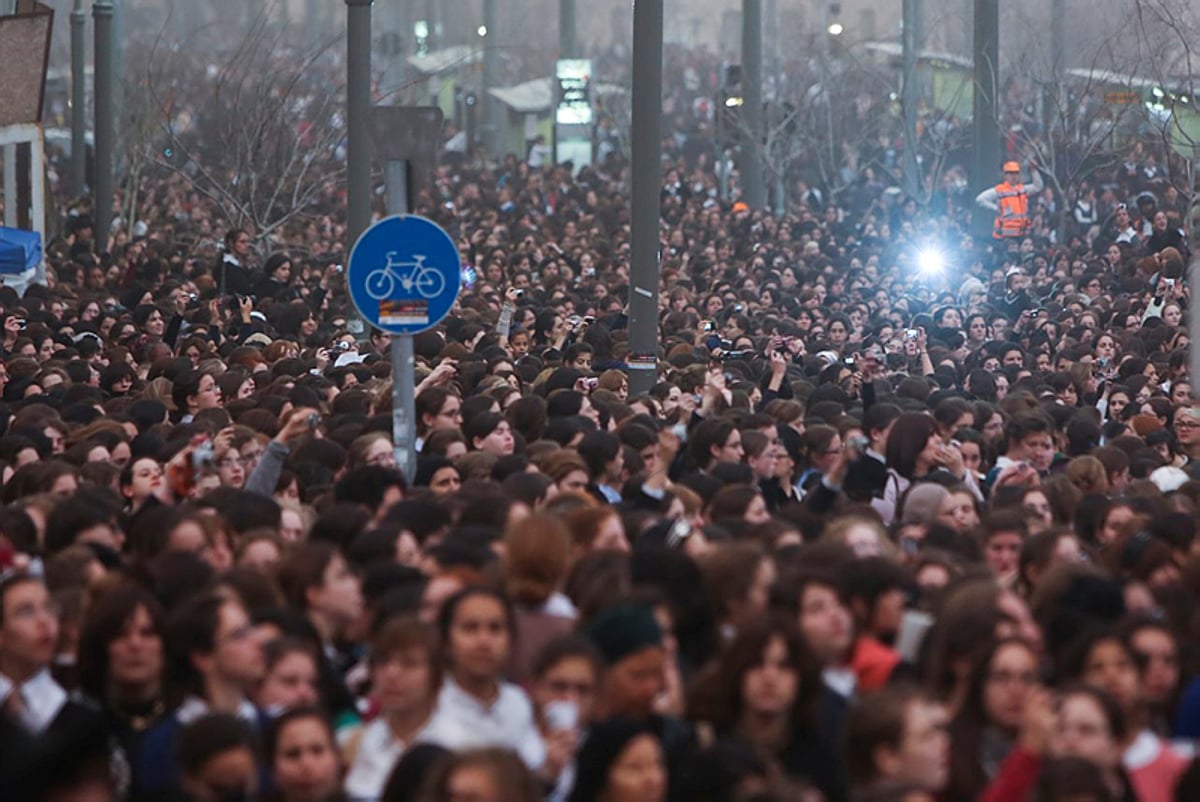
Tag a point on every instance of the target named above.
point(104, 78)
point(753, 185)
point(566, 29)
point(646, 169)
point(985, 135)
point(912, 95)
point(493, 129)
point(1051, 114)
point(358, 126)
point(78, 99)
point(313, 22)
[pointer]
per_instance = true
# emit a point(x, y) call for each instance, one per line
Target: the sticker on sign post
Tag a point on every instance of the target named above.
point(404, 274)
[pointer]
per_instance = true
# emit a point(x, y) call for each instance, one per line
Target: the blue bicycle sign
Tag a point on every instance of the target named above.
point(404, 274)
point(414, 277)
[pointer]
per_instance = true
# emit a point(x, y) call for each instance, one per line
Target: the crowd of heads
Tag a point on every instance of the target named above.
point(869, 532)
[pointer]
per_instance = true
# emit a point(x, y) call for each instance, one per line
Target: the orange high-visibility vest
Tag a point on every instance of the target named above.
point(1013, 218)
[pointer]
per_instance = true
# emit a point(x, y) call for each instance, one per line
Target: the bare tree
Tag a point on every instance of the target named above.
point(1083, 112)
point(255, 131)
point(1167, 32)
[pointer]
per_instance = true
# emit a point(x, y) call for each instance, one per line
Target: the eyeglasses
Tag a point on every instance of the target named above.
point(1186, 426)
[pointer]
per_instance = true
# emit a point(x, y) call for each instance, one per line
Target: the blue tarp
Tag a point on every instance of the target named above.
point(19, 250)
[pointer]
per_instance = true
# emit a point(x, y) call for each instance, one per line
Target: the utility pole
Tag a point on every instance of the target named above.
point(566, 29)
point(78, 99)
point(493, 136)
point(646, 168)
point(912, 96)
point(431, 39)
point(358, 126)
point(985, 135)
point(753, 185)
point(313, 22)
point(103, 77)
point(1058, 37)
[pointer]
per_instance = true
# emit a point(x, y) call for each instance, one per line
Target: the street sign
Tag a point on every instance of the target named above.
point(404, 274)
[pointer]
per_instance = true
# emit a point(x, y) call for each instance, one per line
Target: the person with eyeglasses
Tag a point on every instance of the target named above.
point(218, 657)
point(1187, 435)
point(45, 736)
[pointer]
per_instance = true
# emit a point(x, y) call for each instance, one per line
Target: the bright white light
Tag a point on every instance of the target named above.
point(421, 29)
point(836, 29)
point(482, 31)
point(733, 102)
point(931, 261)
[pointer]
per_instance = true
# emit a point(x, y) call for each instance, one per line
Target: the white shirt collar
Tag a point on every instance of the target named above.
point(194, 708)
point(41, 698)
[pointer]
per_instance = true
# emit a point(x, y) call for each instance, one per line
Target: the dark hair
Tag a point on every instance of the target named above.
point(105, 621)
point(874, 721)
point(191, 630)
point(567, 647)
point(1118, 725)
point(12, 581)
point(1071, 777)
point(411, 770)
point(303, 568)
point(597, 449)
point(480, 426)
point(368, 485)
point(712, 432)
point(212, 735)
point(907, 440)
point(450, 609)
point(66, 521)
point(967, 775)
point(1021, 426)
point(276, 727)
point(403, 633)
point(506, 769)
point(605, 742)
point(717, 697)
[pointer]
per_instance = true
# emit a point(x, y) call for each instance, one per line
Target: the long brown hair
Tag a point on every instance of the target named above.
point(717, 698)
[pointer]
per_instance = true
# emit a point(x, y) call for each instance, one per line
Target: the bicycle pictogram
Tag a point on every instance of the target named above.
point(414, 277)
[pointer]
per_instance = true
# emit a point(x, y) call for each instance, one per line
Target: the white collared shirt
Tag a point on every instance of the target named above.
point(378, 751)
point(193, 708)
point(507, 722)
point(41, 699)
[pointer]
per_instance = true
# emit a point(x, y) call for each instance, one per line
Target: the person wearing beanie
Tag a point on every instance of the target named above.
point(631, 643)
point(922, 503)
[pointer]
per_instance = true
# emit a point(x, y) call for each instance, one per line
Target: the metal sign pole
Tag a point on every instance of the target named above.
point(404, 382)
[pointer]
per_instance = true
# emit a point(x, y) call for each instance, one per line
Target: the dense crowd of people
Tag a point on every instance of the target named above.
point(874, 533)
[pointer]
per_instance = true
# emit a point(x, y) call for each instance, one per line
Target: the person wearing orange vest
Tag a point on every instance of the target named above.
point(1010, 201)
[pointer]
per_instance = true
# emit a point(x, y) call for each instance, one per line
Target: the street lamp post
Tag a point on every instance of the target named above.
point(646, 164)
point(752, 103)
point(912, 46)
point(358, 125)
point(78, 99)
point(493, 128)
point(104, 77)
point(985, 128)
